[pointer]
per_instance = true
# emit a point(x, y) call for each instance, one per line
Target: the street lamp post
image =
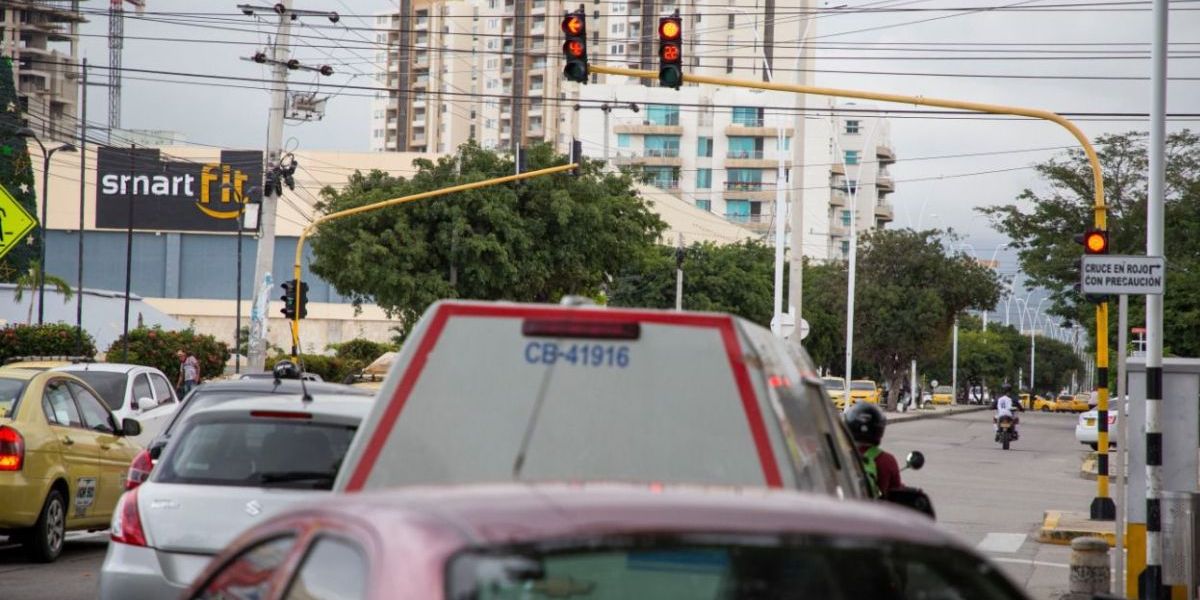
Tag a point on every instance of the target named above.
point(27, 132)
point(247, 219)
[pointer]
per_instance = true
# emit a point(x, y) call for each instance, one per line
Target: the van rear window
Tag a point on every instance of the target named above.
point(491, 403)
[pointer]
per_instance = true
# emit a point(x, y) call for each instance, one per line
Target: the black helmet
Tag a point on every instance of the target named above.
point(1007, 389)
point(286, 369)
point(866, 423)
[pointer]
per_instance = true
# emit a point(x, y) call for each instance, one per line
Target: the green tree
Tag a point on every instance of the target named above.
point(908, 292)
point(535, 240)
point(1041, 226)
point(16, 174)
point(735, 278)
point(28, 282)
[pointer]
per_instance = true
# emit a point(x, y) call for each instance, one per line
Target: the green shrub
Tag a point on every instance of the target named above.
point(51, 339)
point(154, 347)
point(357, 353)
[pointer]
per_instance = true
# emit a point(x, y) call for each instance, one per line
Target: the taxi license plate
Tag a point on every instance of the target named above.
point(1090, 422)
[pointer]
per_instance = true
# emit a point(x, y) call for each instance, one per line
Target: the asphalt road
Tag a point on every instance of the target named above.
point(75, 575)
point(994, 500)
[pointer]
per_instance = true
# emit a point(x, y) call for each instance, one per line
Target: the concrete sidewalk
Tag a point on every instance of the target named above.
point(934, 412)
point(1061, 526)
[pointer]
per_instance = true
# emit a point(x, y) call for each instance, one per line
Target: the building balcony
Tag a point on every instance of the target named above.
point(837, 198)
point(838, 169)
point(760, 222)
point(648, 128)
point(651, 157)
point(754, 129)
point(752, 160)
point(750, 190)
point(883, 181)
point(670, 185)
point(885, 154)
point(838, 230)
point(884, 212)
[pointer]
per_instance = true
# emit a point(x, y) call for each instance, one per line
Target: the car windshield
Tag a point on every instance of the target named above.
point(807, 568)
point(834, 383)
point(943, 389)
point(258, 452)
point(10, 391)
point(110, 386)
point(863, 385)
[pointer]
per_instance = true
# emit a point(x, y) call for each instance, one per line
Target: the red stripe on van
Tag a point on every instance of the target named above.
point(724, 324)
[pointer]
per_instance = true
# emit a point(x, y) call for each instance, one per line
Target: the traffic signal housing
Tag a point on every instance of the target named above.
point(670, 51)
point(1094, 241)
point(289, 300)
point(302, 300)
point(575, 65)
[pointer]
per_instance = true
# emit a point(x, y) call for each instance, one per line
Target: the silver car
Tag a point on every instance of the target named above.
point(229, 468)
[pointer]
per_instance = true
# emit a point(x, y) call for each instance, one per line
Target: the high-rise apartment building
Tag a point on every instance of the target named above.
point(42, 40)
point(490, 70)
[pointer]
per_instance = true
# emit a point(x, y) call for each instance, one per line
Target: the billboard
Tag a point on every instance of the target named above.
point(174, 195)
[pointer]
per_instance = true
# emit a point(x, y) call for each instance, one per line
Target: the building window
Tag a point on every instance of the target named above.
point(623, 140)
point(662, 114)
point(666, 178)
point(846, 248)
point(852, 186)
point(703, 179)
point(704, 147)
point(746, 180)
point(729, 64)
point(705, 205)
point(732, 20)
point(745, 147)
point(662, 146)
point(737, 211)
point(786, 145)
point(852, 157)
point(748, 116)
point(845, 218)
point(852, 127)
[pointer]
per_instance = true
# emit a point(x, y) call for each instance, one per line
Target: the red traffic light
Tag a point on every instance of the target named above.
point(669, 28)
point(573, 25)
point(1095, 242)
point(574, 48)
point(669, 53)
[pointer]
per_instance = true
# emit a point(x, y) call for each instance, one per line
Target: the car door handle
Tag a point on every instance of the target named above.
point(68, 441)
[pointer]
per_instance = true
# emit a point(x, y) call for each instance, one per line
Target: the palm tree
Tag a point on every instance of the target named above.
point(29, 281)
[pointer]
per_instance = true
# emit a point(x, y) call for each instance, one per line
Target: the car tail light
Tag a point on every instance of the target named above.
point(139, 470)
point(127, 521)
point(280, 414)
point(571, 328)
point(1112, 419)
point(12, 449)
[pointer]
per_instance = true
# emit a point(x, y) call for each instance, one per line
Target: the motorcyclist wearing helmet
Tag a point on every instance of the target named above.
point(1004, 408)
point(866, 424)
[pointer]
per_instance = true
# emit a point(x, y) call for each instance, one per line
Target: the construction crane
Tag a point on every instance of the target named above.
point(116, 42)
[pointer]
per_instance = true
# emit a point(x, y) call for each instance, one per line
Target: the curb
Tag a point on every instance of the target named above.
point(919, 414)
point(1055, 531)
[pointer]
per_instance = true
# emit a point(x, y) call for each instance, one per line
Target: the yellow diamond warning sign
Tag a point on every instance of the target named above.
point(15, 223)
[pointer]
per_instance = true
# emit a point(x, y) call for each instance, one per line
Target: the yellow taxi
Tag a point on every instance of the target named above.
point(864, 390)
point(42, 363)
point(63, 458)
point(942, 394)
point(1040, 404)
point(836, 388)
point(1069, 403)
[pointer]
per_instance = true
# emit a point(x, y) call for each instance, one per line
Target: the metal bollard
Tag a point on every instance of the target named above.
point(1090, 572)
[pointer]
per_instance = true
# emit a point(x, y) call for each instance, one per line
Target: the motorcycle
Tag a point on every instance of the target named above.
point(1006, 431)
point(912, 497)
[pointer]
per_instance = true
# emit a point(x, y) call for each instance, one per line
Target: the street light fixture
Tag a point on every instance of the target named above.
point(248, 213)
point(28, 133)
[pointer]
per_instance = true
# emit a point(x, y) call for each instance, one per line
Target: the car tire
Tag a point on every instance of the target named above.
point(1045, 409)
point(44, 542)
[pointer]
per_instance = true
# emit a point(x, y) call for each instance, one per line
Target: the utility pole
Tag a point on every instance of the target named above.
point(265, 253)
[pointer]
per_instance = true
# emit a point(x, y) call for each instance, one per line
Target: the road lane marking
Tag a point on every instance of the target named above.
point(1025, 561)
point(1007, 543)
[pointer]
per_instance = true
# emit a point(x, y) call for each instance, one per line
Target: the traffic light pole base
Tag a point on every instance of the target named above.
point(1103, 509)
point(1150, 586)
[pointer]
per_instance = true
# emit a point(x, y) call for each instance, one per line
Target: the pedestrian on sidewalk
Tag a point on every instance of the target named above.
point(189, 372)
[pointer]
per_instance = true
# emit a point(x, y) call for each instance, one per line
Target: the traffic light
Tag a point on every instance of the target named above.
point(289, 300)
point(574, 27)
point(1094, 241)
point(670, 51)
point(576, 156)
point(302, 300)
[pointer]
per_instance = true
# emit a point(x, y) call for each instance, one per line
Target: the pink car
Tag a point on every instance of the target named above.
point(605, 541)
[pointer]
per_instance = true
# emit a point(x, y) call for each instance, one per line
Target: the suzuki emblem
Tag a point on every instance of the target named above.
point(253, 508)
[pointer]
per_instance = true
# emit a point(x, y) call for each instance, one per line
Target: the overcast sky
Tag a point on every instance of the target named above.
point(222, 115)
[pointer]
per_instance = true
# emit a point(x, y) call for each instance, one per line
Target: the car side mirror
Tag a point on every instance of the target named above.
point(915, 460)
point(130, 427)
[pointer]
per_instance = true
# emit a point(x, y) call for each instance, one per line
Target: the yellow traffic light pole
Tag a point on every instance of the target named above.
point(311, 227)
point(1102, 506)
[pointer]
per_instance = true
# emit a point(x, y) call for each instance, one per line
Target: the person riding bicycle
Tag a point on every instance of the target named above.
point(866, 424)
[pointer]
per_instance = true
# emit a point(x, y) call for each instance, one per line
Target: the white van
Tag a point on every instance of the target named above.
point(490, 392)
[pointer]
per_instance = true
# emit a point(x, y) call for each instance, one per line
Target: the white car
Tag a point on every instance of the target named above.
point(230, 467)
point(1088, 434)
point(129, 391)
